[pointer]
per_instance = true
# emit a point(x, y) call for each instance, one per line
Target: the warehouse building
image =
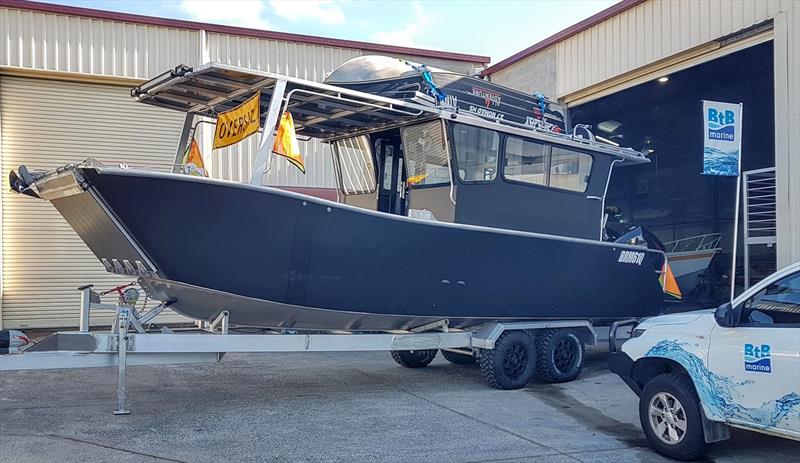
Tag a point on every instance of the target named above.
point(637, 73)
point(65, 80)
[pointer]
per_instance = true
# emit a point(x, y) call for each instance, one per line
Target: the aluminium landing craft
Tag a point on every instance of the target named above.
point(443, 214)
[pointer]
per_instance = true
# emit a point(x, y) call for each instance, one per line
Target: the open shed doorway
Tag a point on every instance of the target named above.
point(669, 196)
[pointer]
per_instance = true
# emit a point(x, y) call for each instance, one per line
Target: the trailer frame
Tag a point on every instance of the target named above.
point(129, 343)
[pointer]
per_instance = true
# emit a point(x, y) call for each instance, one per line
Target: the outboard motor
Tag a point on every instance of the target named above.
point(616, 231)
point(21, 181)
point(12, 341)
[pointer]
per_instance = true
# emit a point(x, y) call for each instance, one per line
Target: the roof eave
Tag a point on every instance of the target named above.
point(242, 31)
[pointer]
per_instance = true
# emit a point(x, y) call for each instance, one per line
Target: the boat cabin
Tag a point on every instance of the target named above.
point(469, 171)
point(413, 148)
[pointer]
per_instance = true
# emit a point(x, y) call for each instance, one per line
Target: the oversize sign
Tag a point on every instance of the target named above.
point(237, 124)
point(722, 138)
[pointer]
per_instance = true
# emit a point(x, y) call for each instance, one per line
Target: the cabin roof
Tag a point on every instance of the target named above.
point(322, 110)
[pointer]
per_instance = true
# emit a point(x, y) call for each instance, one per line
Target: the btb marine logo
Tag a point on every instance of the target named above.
point(721, 125)
point(757, 358)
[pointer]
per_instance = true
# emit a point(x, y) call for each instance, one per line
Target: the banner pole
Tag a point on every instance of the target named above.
point(736, 210)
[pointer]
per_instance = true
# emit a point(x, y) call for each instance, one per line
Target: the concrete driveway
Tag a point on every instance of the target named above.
point(332, 407)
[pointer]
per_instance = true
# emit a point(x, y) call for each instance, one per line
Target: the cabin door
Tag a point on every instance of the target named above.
point(392, 190)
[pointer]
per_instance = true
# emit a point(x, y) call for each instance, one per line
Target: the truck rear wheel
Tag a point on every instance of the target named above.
point(458, 358)
point(512, 362)
point(414, 358)
point(669, 410)
point(560, 355)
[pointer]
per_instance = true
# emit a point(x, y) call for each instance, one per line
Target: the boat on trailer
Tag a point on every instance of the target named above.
point(446, 211)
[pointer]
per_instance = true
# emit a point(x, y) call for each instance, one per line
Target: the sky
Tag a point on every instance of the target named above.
point(497, 29)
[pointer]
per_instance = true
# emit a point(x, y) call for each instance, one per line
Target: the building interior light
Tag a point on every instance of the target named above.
point(609, 126)
point(663, 79)
point(606, 140)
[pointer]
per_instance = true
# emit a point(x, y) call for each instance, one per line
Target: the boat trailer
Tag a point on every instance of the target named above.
point(128, 342)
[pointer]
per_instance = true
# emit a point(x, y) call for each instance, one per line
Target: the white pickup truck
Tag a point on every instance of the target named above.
point(698, 373)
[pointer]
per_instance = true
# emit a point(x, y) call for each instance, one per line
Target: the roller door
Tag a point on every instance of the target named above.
point(46, 124)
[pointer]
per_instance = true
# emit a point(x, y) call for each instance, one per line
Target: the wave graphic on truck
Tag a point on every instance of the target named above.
point(718, 393)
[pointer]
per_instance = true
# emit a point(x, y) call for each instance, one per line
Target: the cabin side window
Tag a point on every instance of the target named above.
point(526, 161)
point(355, 166)
point(476, 152)
point(569, 170)
point(425, 151)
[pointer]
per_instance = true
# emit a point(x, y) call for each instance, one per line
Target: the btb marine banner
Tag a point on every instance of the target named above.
point(722, 138)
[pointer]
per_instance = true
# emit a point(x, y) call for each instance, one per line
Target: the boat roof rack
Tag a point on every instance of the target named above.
point(324, 111)
point(319, 110)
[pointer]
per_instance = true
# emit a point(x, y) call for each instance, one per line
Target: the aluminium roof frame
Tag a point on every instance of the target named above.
point(322, 111)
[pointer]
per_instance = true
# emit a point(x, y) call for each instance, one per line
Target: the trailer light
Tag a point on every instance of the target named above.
point(663, 80)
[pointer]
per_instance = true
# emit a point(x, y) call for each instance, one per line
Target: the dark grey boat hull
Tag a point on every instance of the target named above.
point(278, 259)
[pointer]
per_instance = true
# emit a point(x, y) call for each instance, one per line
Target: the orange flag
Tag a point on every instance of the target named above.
point(668, 281)
point(286, 142)
point(193, 156)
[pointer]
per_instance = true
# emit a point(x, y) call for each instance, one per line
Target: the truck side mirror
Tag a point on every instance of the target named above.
point(727, 315)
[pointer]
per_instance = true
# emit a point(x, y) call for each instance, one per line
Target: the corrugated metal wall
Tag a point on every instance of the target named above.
point(47, 123)
point(536, 73)
point(61, 43)
point(639, 36)
point(787, 139)
point(651, 31)
point(50, 42)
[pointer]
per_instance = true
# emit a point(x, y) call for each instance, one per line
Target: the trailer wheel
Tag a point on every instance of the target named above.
point(560, 355)
point(512, 362)
point(414, 358)
point(458, 359)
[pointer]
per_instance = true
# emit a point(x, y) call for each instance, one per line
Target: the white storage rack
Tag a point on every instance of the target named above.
point(129, 343)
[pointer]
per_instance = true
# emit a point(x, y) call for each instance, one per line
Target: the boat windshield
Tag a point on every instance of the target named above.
point(426, 154)
point(356, 170)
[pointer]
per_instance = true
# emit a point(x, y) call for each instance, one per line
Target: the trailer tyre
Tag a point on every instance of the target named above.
point(669, 410)
point(512, 362)
point(560, 355)
point(458, 359)
point(414, 358)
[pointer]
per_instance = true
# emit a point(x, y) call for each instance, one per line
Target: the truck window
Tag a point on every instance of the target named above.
point(778, 303)
point(476, 152)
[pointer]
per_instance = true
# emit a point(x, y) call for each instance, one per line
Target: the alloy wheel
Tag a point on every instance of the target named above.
point(515, 360)
point(667, 418)
point(564, 356)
